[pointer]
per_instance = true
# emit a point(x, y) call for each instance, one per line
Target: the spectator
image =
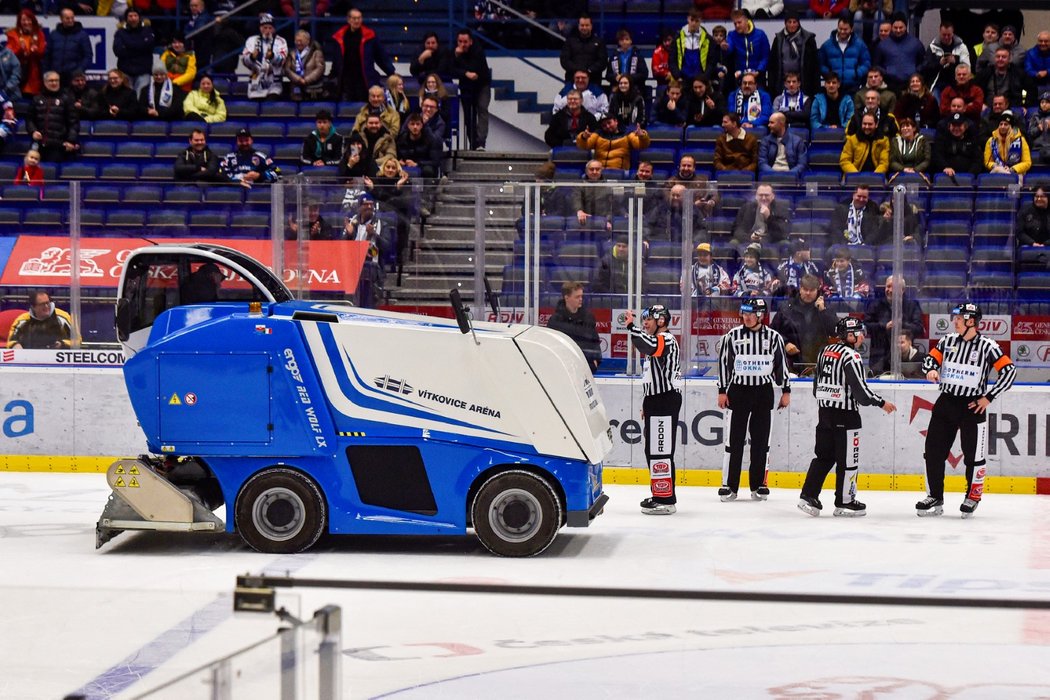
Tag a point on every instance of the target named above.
point(752, 279)
point(471, 68)
point(569, 122)
point(392, 193)
point(205, 103)
point(52, 122)
point(704, 194)
point(378, 144)
point(868, 15)
point(1039, 130)
point(831, 109)
point(845, 55)
point(355, 163)
point(594, 100)
point(627, 104)
point(957, 106)
point(910, 151)
point(827, 9)
point(763, 219)
point(670, 109)
point(247, 166)
point(416, 148)
point(887, 99)
point(798, 264)
point(702, 105)
point(689, 52)
point(913, 226)
point(83, 95)
point(595, 199)
point(585, 51)
point(26, 39)
point(201, 42)
point(781, 151)
point(866, 151)
point(911, 356)
point(806, 324)
point(360, 52)
point(844, 279)
point(794, 50)
point(918, 104)
point(626, 60)
point(365, 226)
point(574, 320)
point(316, 227)
point(29, 172)
point(433, 86)
point(613, 268)
point(965, 88)
point(8, 121)
point(180, 63)
point(432, 121)
point(709, 278)
point(750, 48)
point(652, 199)
point(133, 46)
point(901, 54)
point(41, 327)
point(878, 318)
point(305, 68)
point(735, 148)
point(68, 47)
point(1033, 221)
point(1037, 62)
point(264, 55)
point(1008, 40)
point(984, 51)
point(945, 53)
point(666, 218)
point(117, 100)
point(324, 145)
point(304, 9)
point(395, 96)
point(197, 163)
point(1005, 79)
point(1006, 151)
point(714, 9)
point(793, 103)
point(751, 102)
point(719, 60)
point(956, 150)
point(377, 107)
point(662, 58)
point(990, 123)
point(555, 200)
point(611, 145)
point(432, 59)
point(763, 9)
point(160, 100)
point(10, 72)
point(857, 222)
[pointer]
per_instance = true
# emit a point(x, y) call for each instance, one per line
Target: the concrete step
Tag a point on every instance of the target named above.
point(512, 169)
point(464, 240)
point(490, 210)
point(456, 259)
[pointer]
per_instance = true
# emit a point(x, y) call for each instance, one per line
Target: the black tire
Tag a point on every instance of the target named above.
point(280, 511)
point(516, 514)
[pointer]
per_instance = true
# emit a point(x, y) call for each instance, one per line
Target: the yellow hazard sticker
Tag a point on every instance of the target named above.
point(119, 470)
point(174, 400)
point(119, 483)
point(134, 470)
point(134, 483)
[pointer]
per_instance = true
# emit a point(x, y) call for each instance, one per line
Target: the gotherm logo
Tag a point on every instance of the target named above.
point(398, 386)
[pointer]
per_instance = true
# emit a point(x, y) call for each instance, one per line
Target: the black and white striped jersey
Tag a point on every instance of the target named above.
point(839, 379)
point(662, 368)
point(965, 365)
point(752, 358)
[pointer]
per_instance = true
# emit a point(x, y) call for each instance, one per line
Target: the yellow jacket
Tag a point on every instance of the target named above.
point(197, 102)
point(614, 152)
point(855, 152)
point(1020, 161)
point(182, 68)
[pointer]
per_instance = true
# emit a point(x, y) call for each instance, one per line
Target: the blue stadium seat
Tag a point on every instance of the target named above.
point(996, 181)
point(224, 130)
point(9, 216)
point(134, 149)
point(299, 130)
point(569, 155)
point(96, 194)
point(241, 109)
point(269, 130)
point(695, 135)
point(158, 171)
point(215, 219)
point(734, 178)
point(168, 151)
point(149, 129)
point(944, 285)
point(662, 280)
point(119, 171)
point(97, 149)
point(78, 171)
point(182, 195)
point(167, 218)
point(129, 218)
point(91, 218)
point(288, 153)
point(1033, 259)
point(994, 206)
point(20, 193)
point(577, 254)
point(947, 259)
point(309, 110)
point(832, 136)
point(7, 171)
point(347, 111)
point(107, 128)
point(953, 232)
point(663, 136)
point(991, 286)
point(992, 234)
point(278, 110)
point(825, 155)
point(964, 181)
point(665, 157)
point(55, 193)
point(778, 180)
point(1033, 286)
point(217, 194)
point(513, 280)
point(559, 274)
point(42, 219)
point(852, 180)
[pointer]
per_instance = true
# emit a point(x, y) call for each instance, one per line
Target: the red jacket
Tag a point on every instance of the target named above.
point(829, 8)
point(372, 54)
point(972, 95)
point(32, 176)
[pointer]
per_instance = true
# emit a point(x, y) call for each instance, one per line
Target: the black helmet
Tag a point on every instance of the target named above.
point(754, 305)
point(656, 312)
point(968, 310)
point(847, 325)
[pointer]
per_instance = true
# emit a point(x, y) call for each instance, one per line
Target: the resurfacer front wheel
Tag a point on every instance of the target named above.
point(280, 511)
point(516, 514)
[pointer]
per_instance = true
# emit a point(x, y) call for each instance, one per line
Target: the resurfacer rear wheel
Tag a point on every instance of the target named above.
point(280, 511)
point(516, 514)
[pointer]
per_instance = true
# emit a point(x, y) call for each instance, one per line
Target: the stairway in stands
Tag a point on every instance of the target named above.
point(444, 250)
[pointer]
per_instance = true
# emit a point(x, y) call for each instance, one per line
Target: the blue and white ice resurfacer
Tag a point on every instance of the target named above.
point(302, 418)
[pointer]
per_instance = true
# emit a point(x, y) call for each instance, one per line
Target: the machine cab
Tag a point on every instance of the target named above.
point(162, 277)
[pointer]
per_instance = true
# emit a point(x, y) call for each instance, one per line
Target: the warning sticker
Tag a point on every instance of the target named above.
point(120, 470)
point(174, 400)
point(133, 470)
point(119, 483)
point(134, 483)
point(190, 399)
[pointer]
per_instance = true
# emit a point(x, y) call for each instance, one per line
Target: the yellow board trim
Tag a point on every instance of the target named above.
point(56, 463)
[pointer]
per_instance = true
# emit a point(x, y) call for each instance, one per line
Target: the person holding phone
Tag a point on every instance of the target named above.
point(41, 327)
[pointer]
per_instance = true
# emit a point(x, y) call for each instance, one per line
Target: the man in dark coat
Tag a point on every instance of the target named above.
point(794, 51)
point(133, 46)
point(805, 323)
point(856, 222)
point(471, 68)
point(68, 47)
point(878, 317)
point(360, 51)
point(583, 50)
point(197, 163)
point(957, 151)
point(572, 319)
point(52, 122)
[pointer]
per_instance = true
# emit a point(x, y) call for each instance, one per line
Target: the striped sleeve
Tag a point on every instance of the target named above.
point(862, 393)
point(725, 363)
point(1005, 369)
point(934, 357)
point(780, 366)
point(643, 342)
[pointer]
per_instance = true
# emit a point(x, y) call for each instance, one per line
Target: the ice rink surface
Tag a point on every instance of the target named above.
point(148, 606)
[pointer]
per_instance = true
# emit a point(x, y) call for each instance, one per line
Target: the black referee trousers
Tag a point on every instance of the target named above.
point(668, 403)
point(752, 412)
point(830, 450)
point(951, 415)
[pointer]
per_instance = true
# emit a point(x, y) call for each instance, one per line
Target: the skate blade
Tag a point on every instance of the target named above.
point(847, 513)
point(931, 513)
point(808, 509)
point(755, 496)
point(727, 499)
point(966, 516)
point(662, 510)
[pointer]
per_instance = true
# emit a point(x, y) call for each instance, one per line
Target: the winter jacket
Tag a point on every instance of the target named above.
point(828, 8)
point(632, 65)
point(851, 64)
point(870, 225)
point(938, 76)
point(595, 200)
point(663, 114)
point(899, 57)
point(53, 115)
point(197, 102)
point(961, 155)
point(794, 149)
point(1033, 225)
point(189, 164)
point(68, 50)
point(778, 223)
point(804, 326)
point(372, 54)
point(29, 49)
point(1013, 152)
point(389, 116)
point(182, 68)
point(613, 150)
point(736, 153)
point(629, 109)
point(33, 333)
point(425, 151)
point(587, 54)
point(772, 8)
point(810, 63)
point(972, 95)
point(1035, 61)
point(757, 118)
point(10, 74)
point(581, 327)
point(677, 57)
point(916, 155)
point(238, 163)
point(560, 131)
point(313, 68)
point(750, 50)
point(377, 149)
point(439, 62)
point(134, 50)
point(1039, 141)
point(818, 111)
point(924, 110)
point(855, 153)
point(475, 61)
point(87, 99)
point(1012, 85)
point(330, 150)
point(123, 98)
point(172, 112)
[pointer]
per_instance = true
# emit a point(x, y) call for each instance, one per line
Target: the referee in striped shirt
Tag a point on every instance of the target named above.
point(750, 358)
point(661, 378)
point(960, 365)
point(839, 386)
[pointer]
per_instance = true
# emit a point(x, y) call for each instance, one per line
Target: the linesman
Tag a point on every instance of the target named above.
point(661, 379)
point(751, 358)
point(839, 386)
point(960, 365)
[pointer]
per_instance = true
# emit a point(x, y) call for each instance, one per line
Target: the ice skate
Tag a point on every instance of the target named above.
point(853, 509)
point(809, 505)
point(651, 507)
point(968, 507)
point(726, 495)
point(760, 494)
point(929, 507)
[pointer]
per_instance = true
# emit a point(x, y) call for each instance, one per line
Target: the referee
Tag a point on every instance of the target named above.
point(960, 364)
point(839, 386)
point(750, 358)
point(661, 378)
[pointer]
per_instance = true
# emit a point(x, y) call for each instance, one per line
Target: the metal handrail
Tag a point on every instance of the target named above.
point(217, 20)
point(528, 20)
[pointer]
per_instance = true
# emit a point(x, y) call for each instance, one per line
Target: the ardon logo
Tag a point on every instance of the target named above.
point(398, 386)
